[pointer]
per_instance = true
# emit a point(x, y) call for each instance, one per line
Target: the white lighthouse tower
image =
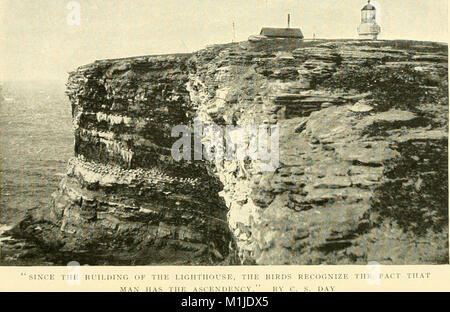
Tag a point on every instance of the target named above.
point(369, 29)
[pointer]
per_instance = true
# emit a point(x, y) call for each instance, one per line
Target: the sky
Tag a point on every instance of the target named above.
point(41, 39)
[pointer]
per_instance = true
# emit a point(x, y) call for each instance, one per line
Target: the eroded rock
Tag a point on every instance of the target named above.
point(330, 201)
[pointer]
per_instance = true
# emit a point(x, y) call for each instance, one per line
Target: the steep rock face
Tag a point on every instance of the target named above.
point(331, 197)
point(123, 189)
point(362, 173)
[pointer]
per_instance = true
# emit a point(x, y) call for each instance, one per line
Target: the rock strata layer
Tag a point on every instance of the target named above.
point(354, 183)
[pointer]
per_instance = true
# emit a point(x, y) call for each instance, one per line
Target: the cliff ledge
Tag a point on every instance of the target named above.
point(362, 172)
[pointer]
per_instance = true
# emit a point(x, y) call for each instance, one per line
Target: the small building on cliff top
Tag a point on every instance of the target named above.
point(270, 32)
point(283, 33)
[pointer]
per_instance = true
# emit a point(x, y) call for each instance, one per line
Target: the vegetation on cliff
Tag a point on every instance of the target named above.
point(403, 87)
point(363, 153)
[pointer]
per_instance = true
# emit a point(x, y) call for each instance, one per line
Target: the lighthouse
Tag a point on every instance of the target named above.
point(369, 29)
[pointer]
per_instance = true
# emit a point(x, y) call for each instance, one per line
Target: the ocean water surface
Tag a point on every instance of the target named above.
point(36, 141)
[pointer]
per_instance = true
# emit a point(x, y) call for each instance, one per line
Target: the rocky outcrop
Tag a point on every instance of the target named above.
point(357, 181)
point(336, 152)
point(123, 192)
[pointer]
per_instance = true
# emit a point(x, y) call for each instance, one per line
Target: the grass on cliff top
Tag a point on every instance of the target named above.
point(273, 45)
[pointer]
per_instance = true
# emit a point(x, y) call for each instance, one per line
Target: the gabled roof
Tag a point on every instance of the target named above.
point(282, 32)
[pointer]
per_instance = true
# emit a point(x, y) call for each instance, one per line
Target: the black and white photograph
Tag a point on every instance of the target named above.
point(223, 133)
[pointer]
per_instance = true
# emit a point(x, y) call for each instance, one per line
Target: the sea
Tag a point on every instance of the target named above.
point(36, 141)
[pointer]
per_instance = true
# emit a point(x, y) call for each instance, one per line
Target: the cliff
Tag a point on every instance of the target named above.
point(362, 174)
